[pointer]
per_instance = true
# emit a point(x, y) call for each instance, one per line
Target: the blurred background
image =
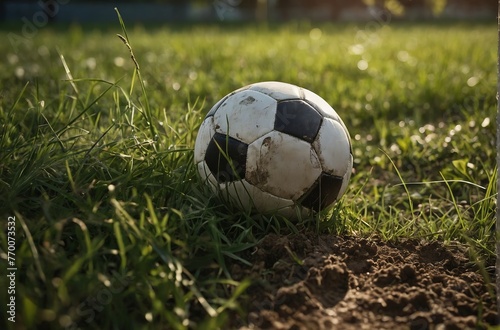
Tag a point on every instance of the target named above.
point(246, 10)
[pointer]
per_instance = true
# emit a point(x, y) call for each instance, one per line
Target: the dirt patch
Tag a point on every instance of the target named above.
point(325, 282)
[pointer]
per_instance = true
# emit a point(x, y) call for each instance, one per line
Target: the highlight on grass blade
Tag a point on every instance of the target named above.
point(68, 72)
point(147, 110)
point(405, 186)
point(33, 247)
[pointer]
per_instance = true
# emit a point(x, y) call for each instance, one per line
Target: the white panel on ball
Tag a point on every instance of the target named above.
point(278, 90)
point(207, 176)
point(205, 134)
point(321, 105)
point(250, 115)
point(346, 178)
point(332, 146)
point(282, 165)
point(247, 196)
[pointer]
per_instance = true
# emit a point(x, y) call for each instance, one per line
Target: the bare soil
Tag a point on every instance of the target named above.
point(306, 281)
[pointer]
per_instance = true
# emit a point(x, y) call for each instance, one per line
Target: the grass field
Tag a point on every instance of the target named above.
point(113, 229)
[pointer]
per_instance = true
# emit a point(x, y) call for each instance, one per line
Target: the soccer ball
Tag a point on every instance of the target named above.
point(275, 148)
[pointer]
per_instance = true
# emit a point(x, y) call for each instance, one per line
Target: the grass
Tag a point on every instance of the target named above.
point(114, 230)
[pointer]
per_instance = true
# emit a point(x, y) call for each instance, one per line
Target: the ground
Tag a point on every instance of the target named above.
point(308, 281)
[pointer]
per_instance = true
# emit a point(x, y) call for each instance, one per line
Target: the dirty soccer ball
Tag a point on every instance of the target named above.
point(275, 148)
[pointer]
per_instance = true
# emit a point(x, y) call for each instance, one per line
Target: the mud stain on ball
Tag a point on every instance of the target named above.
point(259, 175)
point(313, 157)
point(266, 142)
point(247, 101)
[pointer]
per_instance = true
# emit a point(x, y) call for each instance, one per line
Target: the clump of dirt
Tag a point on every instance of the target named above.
point(327, 282)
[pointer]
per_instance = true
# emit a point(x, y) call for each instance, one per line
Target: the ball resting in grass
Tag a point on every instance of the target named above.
point(275, 148)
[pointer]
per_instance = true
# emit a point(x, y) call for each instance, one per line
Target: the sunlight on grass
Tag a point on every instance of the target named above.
point(97, 159)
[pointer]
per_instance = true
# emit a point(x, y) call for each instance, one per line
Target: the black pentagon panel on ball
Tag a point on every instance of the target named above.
point(323, 193)
point(226, 158)
point(297, 118)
